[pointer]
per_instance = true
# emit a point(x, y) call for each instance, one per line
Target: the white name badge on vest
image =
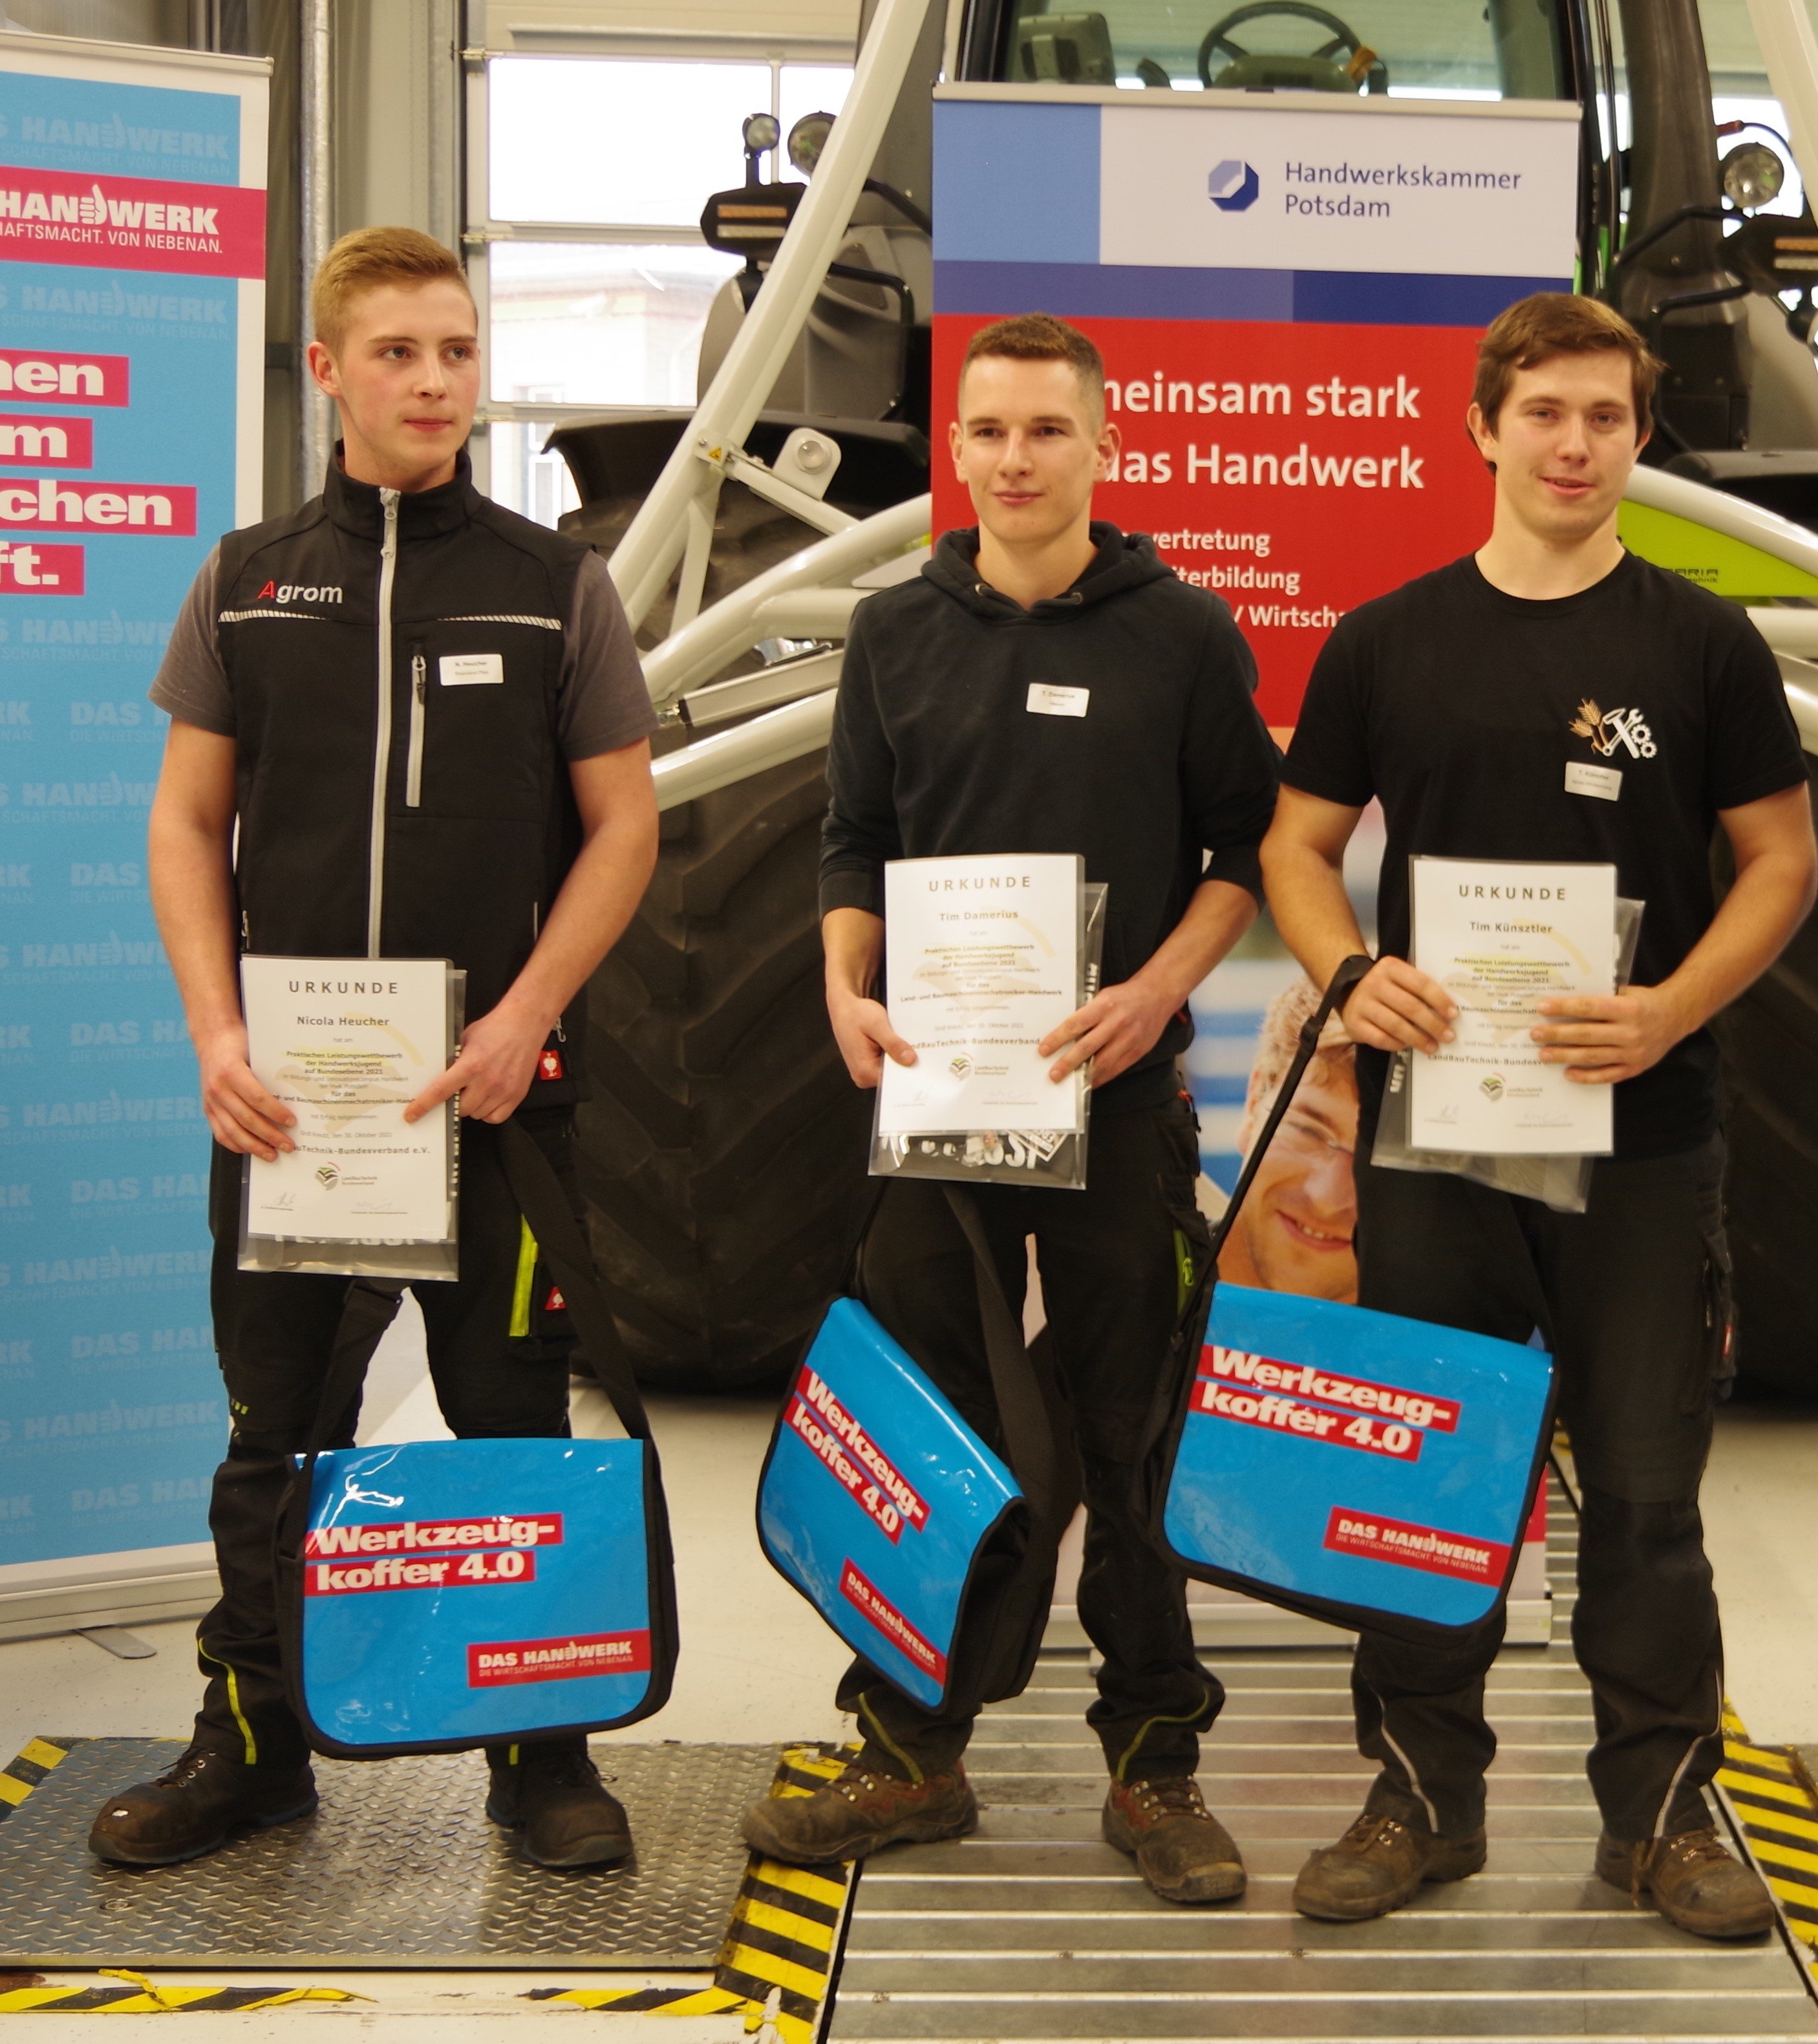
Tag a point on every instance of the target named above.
point(1583, 778)
point(469, 670)
point(1045, 699)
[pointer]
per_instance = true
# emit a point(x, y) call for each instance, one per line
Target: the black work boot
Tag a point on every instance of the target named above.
point(1379, 1863)
point(551, 1792)
point(860, 1809)
point(193, 1806)
point(1693, 1879)
point(1182, 1851)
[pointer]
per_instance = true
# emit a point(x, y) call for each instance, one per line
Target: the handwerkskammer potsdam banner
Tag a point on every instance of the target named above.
point(131, 356)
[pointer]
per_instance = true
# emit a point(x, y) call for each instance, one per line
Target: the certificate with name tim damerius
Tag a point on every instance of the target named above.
point(982, 960)
point(346, 1044)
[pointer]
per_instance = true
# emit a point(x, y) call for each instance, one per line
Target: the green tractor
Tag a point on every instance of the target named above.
point(724, 1152)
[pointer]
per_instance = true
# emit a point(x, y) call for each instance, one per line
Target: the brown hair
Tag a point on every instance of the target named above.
point(1040, 337)
point(368, 259)
point(1535, 329)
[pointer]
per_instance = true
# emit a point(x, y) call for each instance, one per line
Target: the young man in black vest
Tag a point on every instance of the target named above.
point(1469, 703)
point(1046, 684)
point(327, 788)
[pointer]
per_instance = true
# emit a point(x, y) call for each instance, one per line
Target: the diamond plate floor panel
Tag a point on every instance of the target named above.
point(1033, 1930)
point(398, 1868)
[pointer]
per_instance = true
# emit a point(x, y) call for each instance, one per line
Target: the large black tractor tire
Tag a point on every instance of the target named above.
point(1770, 1039)
point(723, 1156)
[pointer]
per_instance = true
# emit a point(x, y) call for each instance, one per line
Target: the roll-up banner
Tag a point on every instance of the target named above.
point(132, 360)
point(1288, 290)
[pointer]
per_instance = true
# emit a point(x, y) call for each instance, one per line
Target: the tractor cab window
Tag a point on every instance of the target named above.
point(1454, 49)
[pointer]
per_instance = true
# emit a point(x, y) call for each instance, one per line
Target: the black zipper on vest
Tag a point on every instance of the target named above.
point(413, 764)
point(382, 751)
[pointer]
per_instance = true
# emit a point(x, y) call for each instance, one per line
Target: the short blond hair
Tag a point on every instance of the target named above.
point(1276, 1043)
point(367, 260)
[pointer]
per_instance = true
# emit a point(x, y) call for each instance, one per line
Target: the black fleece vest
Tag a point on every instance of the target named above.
point(412, 806)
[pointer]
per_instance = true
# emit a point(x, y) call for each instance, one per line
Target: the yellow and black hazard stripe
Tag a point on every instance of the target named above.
point(781, 1945)
point(1771, 1796)
point(784, 1934)
point(647, 2000)
point(143, 1997)
point(21, 1775)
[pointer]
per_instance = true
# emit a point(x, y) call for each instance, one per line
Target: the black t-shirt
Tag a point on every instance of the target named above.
point(1456, 705)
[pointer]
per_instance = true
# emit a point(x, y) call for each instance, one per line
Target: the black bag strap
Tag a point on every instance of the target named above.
point(1343, 981)
point(369, 1307)
point(1027, 1407)
point(539, 1194)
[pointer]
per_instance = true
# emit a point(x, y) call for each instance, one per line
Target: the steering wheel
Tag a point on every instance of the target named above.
point(1218, 37)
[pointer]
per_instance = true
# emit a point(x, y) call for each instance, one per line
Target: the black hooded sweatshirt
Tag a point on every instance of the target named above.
point(936, 750)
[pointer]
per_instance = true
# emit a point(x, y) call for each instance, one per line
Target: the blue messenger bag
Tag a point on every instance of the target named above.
point(436, 1595)
point(1371, 1471)
point(929, 1554)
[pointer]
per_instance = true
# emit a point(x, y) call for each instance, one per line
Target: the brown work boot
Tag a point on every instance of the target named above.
point(1379, 1863)
point(1182, 1851)
point(550, 1791)
point(1693, 1880)
point(858, 1810)
point(194, 1806)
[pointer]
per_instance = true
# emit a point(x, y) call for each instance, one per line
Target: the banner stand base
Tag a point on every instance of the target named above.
point(142, 1586)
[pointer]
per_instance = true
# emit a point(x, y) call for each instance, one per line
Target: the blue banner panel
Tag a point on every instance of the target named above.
point(131, 317)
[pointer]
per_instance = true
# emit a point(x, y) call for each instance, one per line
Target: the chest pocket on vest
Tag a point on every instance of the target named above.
point(478, 711)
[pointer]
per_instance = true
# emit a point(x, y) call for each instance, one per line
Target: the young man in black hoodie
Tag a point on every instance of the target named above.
point(1047, 685)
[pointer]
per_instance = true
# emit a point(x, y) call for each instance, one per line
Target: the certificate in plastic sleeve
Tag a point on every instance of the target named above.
point(1500, 937)
point(346, 1044)
point(982, 959)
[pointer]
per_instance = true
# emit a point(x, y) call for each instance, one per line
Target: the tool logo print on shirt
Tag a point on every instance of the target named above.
point(1607, 730)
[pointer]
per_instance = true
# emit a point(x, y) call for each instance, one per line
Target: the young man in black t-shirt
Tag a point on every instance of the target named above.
point(1554, 697)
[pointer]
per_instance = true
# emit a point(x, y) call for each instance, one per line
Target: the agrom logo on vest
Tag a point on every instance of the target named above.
point(297, 592)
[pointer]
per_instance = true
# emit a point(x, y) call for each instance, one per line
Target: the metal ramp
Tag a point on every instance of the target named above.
point(1036, 1930)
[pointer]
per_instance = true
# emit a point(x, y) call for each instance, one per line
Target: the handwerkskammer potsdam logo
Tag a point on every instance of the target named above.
point(1232, 186)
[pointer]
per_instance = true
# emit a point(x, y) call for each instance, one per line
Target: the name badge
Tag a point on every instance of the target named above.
point(1046, 700)
point(468, 670)
point(1583, 778)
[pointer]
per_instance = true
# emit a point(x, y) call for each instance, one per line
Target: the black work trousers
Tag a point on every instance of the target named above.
point(275, 1331)
point(1633, 1298)
point(1113, 1261)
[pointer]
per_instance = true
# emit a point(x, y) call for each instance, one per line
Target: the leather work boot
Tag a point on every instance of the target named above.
point(193, 1806)
point(550, 1790)
point(858, 1810)
point(1182, 1851)
point(1379, 1863)
point(1694, 1880)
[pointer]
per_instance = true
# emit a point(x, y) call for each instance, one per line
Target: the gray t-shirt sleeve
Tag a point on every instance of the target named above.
point(191, 684)
point(601, 701)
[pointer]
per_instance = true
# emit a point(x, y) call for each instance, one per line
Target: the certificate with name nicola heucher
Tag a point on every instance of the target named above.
point(346, 1044)
point(1501, 937)
point(982, 958)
